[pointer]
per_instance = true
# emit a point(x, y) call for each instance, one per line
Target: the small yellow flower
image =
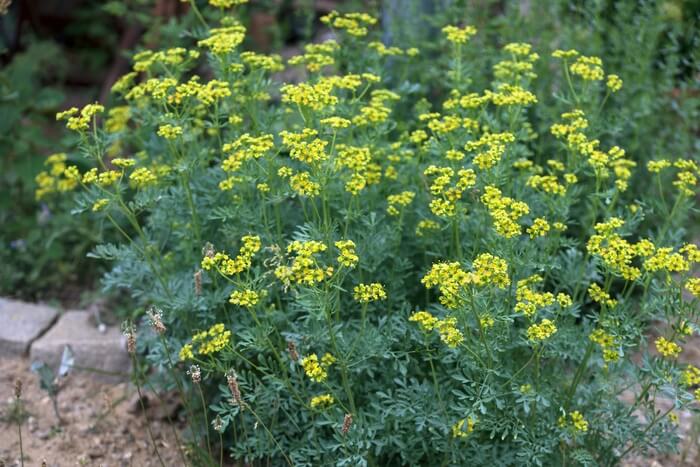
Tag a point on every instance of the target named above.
point(321, 402)
point(426, 320)
point(100, 204)
point(347, 257)
point(668, 348)
point(542, 331)
point(169, 131)
point(365, 293)
point(313, 369)
point(614, 83)
point(458, 35)
point(246, 298)
point(463, 427)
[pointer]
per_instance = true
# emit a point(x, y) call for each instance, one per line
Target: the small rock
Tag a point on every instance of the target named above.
point(22, 323)
point(103, 356)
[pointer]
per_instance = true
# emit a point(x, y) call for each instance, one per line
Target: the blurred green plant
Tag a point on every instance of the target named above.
point(41, 244)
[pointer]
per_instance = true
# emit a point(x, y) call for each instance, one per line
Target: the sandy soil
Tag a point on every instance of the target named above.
point(103, 424)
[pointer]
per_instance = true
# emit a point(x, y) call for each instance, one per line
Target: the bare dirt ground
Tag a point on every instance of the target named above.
point(688, 422)
point(102, 424)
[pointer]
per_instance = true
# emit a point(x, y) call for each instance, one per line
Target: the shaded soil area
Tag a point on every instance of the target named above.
point(102, 424)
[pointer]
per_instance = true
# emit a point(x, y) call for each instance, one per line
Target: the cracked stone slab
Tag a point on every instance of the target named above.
point(21, 323)
point(101, 354)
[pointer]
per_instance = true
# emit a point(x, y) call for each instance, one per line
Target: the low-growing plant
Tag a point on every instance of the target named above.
point(344, 271)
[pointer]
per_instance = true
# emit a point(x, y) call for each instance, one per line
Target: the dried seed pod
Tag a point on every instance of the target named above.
point(347, 423)
point(198, 283)
point(232, 380)
point(292, 348)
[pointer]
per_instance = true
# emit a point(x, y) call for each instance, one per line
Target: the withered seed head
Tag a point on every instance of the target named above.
point(18, 388)
point(208, 250)
point(198, 283)
point(347, 423)
point(232, 380)
point(156, 316)
point(195, 373)
point(292, 348)
point(130, 334)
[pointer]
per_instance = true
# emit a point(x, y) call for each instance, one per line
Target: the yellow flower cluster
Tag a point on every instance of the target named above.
point(142, 177)
point(317, 370)
point(224, 264)
point(510, 94)
point(490, 270)
point(495, 147)
point(336, 122)
point(322, 401)
point(215, 339)
point(271, 63)
point(347, 257)
point(616, 252)
point(598, 295)
point(520, 66)
point(304, 269)
point(245, 298)
point(528, 300)
point(303, 148)
point(614, 83)
point(313, 96)
point(463, 427)
point(226, 3)
point(362, 170)
point(601, 162)
point(449, 334)
point(100, 204)
point(578, 422)
point(401, 199)
point(588, 68)
point(80, 120)
point(548, 184)
point(451, 278)
point(123, 162)
point(354, 24)
point(447, 195)
point(222, 41)
point(424, 225)
point(243, 149)
point(607, 343)
point(302, 184)
point(147, 59)
point(665, 259)
point(58, 178)
point(667, 348)
point(691, 376)
point(365, 293)
point(542, 331)
point(426, 320)
point(117, 118)
point(458, 35)
point(169, 131)
point(539, 228)
point(316, 56)
point(376, 111)
point(687, 177)
point(504, 211)
point(693, 286)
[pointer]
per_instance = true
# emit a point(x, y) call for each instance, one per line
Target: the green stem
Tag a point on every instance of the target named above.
point(206, 418)
point(143, 410)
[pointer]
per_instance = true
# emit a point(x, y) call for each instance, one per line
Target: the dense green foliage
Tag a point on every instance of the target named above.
point(447, 249)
